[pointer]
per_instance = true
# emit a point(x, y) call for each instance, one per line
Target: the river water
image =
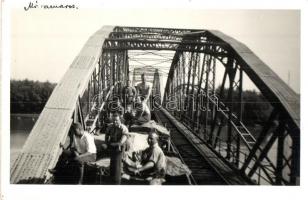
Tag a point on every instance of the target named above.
point(21, 126)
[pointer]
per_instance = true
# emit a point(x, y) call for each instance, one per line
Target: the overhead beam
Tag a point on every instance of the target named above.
point(190, 46)
point(158, 35)
point(157, 30)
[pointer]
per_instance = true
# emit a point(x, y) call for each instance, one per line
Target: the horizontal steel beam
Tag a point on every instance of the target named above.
point(113, 41)
point(190, 46)
point(157, 35)
point(146, 35)
point(156, 30)
point(180, 49)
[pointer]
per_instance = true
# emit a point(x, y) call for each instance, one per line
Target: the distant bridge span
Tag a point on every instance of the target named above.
point(103, 65)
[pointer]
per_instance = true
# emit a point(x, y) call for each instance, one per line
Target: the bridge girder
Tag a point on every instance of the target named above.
point(169, 45)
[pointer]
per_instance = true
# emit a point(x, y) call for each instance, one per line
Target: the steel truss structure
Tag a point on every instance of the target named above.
point(192, 96)
point(215, 114)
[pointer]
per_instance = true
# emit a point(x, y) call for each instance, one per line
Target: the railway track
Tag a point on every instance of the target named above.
point(202, 172)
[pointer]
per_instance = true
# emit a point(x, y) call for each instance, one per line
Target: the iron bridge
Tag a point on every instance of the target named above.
point(208, 106)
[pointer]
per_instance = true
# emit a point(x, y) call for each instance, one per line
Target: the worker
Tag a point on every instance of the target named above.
point(152, 160)
point(115, 106)
point(116, 136)
point(144, 88)
point(81, 150)
point(143, 114)
point(129, 94)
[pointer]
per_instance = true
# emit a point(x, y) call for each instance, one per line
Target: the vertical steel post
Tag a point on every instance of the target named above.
point(94, 85)
point(213, 92)
point(188, 86)
point(113, 71)
point(177, 94)
point(233, 69)
point(230, 106)
point(109, 69)
point(295, 162)
point(89, 98)
point(207, 71)
point(192, 93)
point(99, 83)
point(213, 125)
point(198, 92)
point(183, 86)
point(240, 116)
point(279, 164)
point(103, 66)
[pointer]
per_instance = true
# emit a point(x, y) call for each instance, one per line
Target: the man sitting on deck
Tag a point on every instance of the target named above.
point(153, 162)
point(115, 106)
point(81, 150)
point(144, 88)
point(143, 114)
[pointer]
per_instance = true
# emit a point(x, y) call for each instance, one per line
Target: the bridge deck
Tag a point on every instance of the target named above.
point(228, 175)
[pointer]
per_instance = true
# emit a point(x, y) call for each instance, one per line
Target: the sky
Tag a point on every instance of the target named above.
point(44, 43)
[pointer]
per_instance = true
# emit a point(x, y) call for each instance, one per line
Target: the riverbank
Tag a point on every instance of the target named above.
point(25, 115)
point(21, 125)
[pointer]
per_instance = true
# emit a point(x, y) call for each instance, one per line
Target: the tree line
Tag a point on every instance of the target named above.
point(29, 96)
point(255, 107)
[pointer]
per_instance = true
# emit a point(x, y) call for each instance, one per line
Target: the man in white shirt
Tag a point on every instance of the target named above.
point(84, 144)
point(153, 162)
point(144, 89)
point(85, 148)
point(143, 113)
point(81, 150)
